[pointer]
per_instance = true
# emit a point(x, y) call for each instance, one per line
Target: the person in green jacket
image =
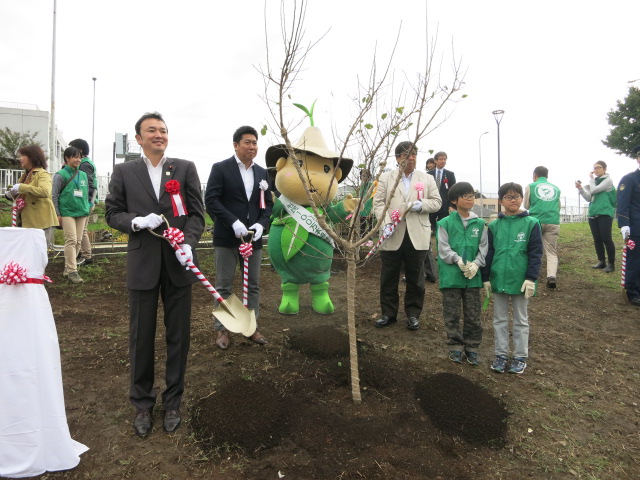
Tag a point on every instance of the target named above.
point(511, 272)
point(602, 195)
point(462, 248)
point(70, 194)
point(542, 199)
point(88, 167)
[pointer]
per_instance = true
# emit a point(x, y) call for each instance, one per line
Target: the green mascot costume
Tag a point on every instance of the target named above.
point(299, 249)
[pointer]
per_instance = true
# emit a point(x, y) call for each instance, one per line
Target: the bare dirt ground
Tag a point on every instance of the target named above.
point(285, 410)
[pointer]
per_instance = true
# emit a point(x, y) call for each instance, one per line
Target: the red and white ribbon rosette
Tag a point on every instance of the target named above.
point(18, 205)
point(172, 187)
point(246, 250)
point(420, 189)
point(13, 274)
point(395, 217)
point(446, 183)
point(263, 188)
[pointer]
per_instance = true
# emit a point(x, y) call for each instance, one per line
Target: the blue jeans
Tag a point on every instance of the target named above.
point(520, 330)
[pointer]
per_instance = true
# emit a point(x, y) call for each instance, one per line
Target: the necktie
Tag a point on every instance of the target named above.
point(439, 177)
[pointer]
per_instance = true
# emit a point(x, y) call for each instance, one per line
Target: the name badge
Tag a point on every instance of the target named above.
point(77, 193)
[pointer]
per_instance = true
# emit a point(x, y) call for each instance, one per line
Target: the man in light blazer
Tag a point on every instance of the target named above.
point(238, 199)
point(409, 243)
point(137, 197)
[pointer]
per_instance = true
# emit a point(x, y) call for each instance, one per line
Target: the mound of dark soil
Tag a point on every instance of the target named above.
point(246, 414)
point(321, 342)
point(458, 407)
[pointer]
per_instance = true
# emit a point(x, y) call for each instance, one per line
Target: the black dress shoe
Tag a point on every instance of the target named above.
point(430, 278)
point(385, 321)
point(171, 421)
point(413, 323)
point(600, 264)
point(551, 282)
point(143, 423)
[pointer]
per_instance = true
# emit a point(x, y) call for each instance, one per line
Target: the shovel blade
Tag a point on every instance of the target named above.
point(234, 315)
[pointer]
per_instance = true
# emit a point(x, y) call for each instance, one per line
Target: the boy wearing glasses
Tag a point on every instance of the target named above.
point(512, 268)
point(462, 248)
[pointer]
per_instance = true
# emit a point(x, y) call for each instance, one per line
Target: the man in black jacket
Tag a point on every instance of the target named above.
point(238, 198)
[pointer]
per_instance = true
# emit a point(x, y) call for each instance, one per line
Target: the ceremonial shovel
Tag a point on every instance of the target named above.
point(231, 312)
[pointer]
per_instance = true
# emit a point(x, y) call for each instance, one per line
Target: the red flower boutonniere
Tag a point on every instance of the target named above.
point(172, 187)
point(446, 183)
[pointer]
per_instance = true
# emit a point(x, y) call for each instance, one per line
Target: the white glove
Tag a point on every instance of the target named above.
point(15, 189)
point(239, 229)
point(415, 206)
point(151, 221)
point(188, 254)
point(529, 288)
point(462, 265)
point(259, 229)
point(487, 288)
point(388, 230)
point(625, 231)
point(472, 269)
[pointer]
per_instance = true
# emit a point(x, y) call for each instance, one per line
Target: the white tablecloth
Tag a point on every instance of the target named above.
point(34, 435)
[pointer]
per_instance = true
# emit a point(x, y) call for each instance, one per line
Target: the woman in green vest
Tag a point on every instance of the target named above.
point(71, 200)
point(602, 195)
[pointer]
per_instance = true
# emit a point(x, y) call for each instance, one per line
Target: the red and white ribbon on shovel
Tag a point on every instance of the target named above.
point(176, 238)
point(246, 250)
point(18, 205)
point(395, 217)
point(628, 245)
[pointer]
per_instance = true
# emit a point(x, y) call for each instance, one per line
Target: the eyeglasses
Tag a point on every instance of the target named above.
point(510, 198)
point(469, 196)
point(596, 167)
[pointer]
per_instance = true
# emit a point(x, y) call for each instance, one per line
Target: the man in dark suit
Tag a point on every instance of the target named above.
point(137, 197)
point(445, 179)
point(238, 197)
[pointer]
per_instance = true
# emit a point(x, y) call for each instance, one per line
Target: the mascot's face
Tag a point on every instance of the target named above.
point(317, 172)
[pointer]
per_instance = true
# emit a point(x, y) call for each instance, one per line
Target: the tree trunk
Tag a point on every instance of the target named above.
point(351, 322)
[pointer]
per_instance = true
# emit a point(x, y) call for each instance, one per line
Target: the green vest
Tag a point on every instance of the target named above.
point(68, 203)
point(544, 198)
point(465, 242)
point(510, 236)
point(603, 203)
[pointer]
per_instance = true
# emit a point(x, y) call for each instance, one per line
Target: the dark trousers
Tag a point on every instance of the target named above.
point(392, 262)
point(143, 312)
point(469, 337)
point(632, 275)
point(601, 231)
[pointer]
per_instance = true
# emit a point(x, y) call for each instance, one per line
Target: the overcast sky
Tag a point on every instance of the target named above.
point(555, 67)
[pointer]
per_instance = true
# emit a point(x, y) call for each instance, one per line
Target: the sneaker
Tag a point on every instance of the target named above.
point(472, 358)
point(455, 356)
point(85, 261)
point(499, 364)
point(518, 365)
point(80, 261)
point(75, 278)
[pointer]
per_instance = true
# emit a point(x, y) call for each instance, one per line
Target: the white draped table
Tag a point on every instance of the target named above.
point(34, 435)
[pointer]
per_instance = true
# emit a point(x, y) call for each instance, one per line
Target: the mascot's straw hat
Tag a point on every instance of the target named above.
point(313, 142)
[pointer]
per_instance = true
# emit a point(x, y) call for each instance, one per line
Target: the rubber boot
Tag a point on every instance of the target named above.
point(609, 268)
point(320, 301)
point(290, 303)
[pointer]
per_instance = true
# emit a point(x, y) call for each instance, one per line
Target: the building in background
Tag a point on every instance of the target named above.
point(23, 118)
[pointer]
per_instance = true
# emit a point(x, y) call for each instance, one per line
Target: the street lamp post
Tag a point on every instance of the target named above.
point(93, 125)
point(497, 114)
point(480, 157)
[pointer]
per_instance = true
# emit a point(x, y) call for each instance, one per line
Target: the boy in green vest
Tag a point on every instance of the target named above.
point(462, 248)
point(512, 269)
